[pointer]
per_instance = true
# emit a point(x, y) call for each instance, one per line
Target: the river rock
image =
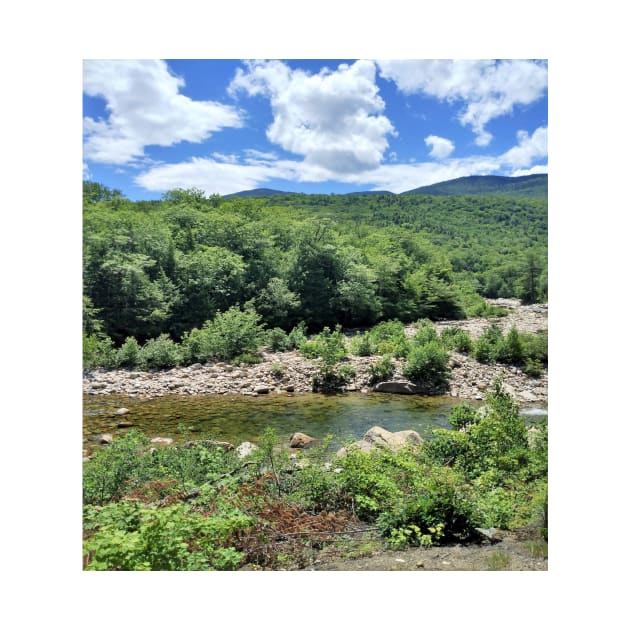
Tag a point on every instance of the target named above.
point(245, 449)
point(396, 387)
point(105, 438)
point(162, 440)
point(392, 440)
point(122, 411)
point(301, 440)
point(124, 424)
point(261, 389)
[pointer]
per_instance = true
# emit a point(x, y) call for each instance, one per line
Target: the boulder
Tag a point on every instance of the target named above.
point(245, 449)
point(122, 411)
point(396, 387)
point(261, 389)
point(301, 440)
point(377, 437)
point(393, 440)
point(162, 440)
point(124, 424)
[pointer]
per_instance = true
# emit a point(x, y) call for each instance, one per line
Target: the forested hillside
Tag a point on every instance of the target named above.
point(168, 266)
point(524, 186)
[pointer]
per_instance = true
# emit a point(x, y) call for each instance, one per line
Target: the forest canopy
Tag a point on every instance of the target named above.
point(169, 266)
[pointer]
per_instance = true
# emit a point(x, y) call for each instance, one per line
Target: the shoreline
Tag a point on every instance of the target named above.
point(469, 379)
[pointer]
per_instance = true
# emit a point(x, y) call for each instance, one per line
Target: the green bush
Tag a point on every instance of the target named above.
point(381, 370)
point(159, 353)
point(173, 538)
point(361, 345)
point(463, 415)
point(98, 351)
point(456, 339)
point(329, 346)
point(128, 355)
point(106, 475)
point(297, 336)
point(389, 338)
point(278, 340)
point(230, 334)
point(428, 364)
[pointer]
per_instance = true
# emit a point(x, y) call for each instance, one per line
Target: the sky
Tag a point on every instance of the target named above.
point(312, 126)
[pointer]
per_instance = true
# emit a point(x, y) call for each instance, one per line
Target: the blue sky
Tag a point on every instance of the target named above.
point(314, 126)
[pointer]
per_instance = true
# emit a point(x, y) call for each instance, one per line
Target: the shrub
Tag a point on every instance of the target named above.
point(463, 415)
point(128, 355)
point(389, 338)
point(297, 336)
point(98, 351)
point(278, 370)
point(230, 334)
point(381, 370)
point(329, 346)
point(510, 349)
point(487, 345)
point(278, 340)
point(428, 364)
point(361, 345)
point(158, 353)
point(456, 339)
point(105, 476)
point(425, 332)
point(163, 539)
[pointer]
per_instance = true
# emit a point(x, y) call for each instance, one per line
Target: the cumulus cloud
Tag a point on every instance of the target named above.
point(534, 170)
point(144, 108)
point(487, 88)
point(332, 118)
point(215, 176)
point(528, 150)
point(440, 147)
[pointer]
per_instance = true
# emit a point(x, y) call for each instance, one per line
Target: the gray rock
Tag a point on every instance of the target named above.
point(396, 387)
point(245, 449)
point(162, 440)
point(261, 389)
point(124, 424)
point(122, 411)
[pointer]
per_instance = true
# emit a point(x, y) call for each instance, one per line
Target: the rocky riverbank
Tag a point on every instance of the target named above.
point(291, 372)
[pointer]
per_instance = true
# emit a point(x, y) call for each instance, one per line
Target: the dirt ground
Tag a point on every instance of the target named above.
point(516, 551)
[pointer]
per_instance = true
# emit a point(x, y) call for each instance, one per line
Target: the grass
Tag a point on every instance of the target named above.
point(498, 561)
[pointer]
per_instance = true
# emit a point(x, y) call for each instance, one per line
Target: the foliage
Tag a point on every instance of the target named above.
point(159, 353)
point(168, 266)
point(230, 334)
point(329, 346)
point(129, 354)
point(515, 348)
point(98, 351)
point(173, 538)
point(456, 339)
point(278, 340)
point(428, 364)
point(361, 345)
point(381, 370)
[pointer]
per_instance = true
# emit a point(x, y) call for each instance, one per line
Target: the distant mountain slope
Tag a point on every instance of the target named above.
point(525, 186)
point(257, 192)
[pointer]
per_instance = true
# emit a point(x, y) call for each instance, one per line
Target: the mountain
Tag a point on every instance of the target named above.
point(371, 192)
point(257, 192)
point(525, 186)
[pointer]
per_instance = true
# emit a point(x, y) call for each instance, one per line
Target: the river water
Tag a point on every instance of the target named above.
point(237, 419)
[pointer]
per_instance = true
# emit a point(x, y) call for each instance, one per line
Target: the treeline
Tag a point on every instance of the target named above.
point(169, 266)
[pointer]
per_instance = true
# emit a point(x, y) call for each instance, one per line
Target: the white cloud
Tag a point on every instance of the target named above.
point(528, 150)
point(145, 108)
point(488, 88)
point(86, 172)
point(534, 170)
point(224, 177)
point(332, 118)
point(440, 147)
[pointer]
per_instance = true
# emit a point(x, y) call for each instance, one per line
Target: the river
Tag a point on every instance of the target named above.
point(237, 419)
